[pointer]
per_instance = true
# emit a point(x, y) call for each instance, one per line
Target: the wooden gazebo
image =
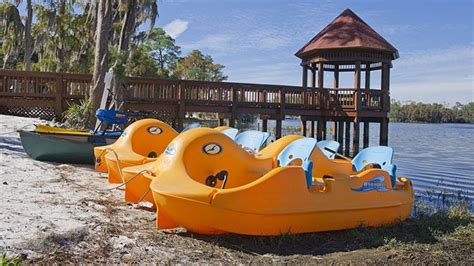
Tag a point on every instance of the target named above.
point(348, 44)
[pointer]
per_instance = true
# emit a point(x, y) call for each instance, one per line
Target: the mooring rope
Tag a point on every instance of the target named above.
point(117, 161)
point(144, 195)
point(106, 189)
point(121, 174)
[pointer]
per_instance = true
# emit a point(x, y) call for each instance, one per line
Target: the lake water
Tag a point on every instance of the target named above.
point(438, 158)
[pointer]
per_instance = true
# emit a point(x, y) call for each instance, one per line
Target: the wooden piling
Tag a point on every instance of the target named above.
point(319, 130)
point(334, 130)
point(355, 137)
point(278, 129)
point(340, 135)
point(324, 129)
point(303, 127)
point(384, 132)
point(264, 125)
point(366, 134)
point(347, 139)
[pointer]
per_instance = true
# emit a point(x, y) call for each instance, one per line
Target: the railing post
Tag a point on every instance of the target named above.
point(320, 85)
point(281, 114)
point(385, 80)
point(357, 94)
point(60, 89)
point(234, 106)
point(313, 84)
point(304, 85)
point(282, 101)
point(182, 107)
point(5, 84)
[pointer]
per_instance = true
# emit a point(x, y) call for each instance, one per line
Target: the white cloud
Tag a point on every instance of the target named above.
point(238, 42)
point(176, 27)
point(435, 75)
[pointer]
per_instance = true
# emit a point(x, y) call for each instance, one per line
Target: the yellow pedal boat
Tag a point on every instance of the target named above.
point(141, 142)
point(207, 184)
point(138, 178)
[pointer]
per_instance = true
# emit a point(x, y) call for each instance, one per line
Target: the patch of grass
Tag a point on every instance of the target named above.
point(438, 236)
point(13, 261)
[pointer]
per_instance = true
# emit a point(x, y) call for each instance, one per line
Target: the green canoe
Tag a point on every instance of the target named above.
point(62, 148)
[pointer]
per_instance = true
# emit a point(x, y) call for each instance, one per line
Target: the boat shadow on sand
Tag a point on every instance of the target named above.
point(11, 144)
point(423, 228)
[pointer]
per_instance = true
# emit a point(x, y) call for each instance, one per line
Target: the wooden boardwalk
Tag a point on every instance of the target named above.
point(47, 95)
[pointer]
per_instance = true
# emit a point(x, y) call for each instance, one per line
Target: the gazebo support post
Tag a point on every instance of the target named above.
point(340, 135)
point(366, 134)
point(347, 140)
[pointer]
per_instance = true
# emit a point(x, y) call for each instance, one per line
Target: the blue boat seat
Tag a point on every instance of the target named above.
point(230, 132)
point(380, 155)
point(308, 171)
point(252, 139)
point(190, 126)
point(330, 144)
point(298, 149)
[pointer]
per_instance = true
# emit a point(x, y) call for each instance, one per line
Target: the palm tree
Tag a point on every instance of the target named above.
point(28, 37)
point(104, 24)
point(12, 28)
point(134, 14)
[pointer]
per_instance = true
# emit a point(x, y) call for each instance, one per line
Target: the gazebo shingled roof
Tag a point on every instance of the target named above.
point(347, 31)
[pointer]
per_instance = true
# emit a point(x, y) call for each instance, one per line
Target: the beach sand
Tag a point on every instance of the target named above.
point(54, 212)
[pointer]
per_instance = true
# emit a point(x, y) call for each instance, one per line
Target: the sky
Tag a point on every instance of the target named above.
point(256, 39)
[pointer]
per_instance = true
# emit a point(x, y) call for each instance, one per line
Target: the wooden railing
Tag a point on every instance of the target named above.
point(47, 95)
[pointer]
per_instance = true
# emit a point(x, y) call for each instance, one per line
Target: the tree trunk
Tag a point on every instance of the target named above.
point(128, 26)
point(153, 16)
point(28, 37)
point(126, 32)
point(104, 24)
point(5, 59)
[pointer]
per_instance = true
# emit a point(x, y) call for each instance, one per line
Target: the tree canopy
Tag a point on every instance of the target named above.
point(431, 113)
point(59, 36)
point(197, 66)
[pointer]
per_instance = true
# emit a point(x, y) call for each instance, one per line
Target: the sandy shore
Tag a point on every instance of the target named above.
point(61, 213)
point(55, 212)
point(50, 207)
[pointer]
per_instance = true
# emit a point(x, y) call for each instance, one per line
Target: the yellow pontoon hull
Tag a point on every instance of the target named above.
point(259, 199)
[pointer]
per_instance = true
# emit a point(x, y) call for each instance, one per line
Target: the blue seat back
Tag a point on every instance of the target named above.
point(381, 155)
point(230, 132)
point(190, 126)
point(330, 144)
point(298, 149)
point(308, 172)
point(252, 139)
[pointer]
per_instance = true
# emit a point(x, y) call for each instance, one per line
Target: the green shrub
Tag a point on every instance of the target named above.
point(77, 115)
point(4, 261)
